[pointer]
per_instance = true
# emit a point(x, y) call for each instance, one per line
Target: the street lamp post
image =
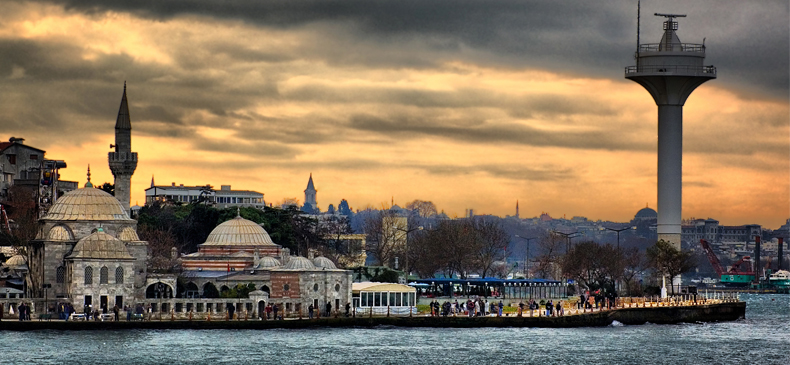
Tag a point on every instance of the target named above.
point(618, 230)
point(406, 267)
point(568, 236)
point(526, 258)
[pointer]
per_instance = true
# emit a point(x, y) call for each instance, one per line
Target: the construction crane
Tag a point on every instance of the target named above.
point(740, 273)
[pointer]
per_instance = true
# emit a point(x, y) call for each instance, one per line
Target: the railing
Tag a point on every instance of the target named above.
point(684, 47)
point(670, 70)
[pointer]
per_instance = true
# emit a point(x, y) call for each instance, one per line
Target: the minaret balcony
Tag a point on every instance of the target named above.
point(122, 156)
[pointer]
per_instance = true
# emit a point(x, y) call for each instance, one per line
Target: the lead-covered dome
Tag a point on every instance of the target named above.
point(238, 231)
point(16, 261)
point(299, 263)
point(323, 262)
point(87, 204)
point(100, 245)
point(268, 262)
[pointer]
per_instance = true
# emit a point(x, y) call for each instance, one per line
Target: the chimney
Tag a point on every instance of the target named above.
point(757, 267)
point(781, 254)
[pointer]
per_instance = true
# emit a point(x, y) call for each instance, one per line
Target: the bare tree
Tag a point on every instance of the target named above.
point(489, 244)
point(549, 246)
point(633, 265)
point(386, 234)
point(424, 209)
point(161, 246)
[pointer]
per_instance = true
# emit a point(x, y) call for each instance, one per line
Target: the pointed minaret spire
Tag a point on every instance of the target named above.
point(310, 194)
point(152, 180)
point(89, 184)
point(516, 208)
point(123, 161)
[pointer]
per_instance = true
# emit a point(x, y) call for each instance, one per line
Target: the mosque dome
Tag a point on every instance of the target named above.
point(299, 263)
point(128, 234)
point(100, 245)
point(238, 231)
point(87, 204)
point(59, 233)
point(646, 213)
point(323, 262)
point(268, 262)
point(16, 261)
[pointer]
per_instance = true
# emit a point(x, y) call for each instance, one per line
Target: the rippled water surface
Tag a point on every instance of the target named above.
point(762, 338)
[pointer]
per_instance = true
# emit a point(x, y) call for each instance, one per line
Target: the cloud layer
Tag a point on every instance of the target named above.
point(469, 104)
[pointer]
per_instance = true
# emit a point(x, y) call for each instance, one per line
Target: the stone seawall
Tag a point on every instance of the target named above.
point(631, 316)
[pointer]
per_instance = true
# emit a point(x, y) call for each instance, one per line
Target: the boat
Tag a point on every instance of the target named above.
point(780, 279)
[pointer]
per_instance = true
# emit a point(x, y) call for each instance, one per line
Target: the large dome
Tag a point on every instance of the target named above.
point(87, 204)
point(646, 213)
point(100, 245)
point(238, 231)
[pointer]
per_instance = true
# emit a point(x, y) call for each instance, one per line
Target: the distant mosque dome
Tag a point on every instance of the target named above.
point(268, 262)
point(323, 262)
point(646, 213)
point(239, 231)
point(299, 263)
point(87, 204)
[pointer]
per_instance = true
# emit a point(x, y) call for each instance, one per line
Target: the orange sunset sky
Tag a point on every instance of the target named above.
point(471, 105)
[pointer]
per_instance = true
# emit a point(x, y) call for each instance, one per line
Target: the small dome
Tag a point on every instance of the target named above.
point(268, 262)
point(299, 263)
point(128, 234)
point(239, 231)
point(59, 233)
point(323, 262)
point(646, 213)
point(16, 261)
point(100, 245)
point(87, 204)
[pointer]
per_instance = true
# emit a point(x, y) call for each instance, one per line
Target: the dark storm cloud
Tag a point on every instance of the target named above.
point(748, 41)
point(482, 132)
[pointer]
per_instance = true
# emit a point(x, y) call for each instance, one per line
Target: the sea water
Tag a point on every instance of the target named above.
point(763, 337)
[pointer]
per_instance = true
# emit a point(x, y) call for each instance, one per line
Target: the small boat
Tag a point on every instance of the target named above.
point(780, 279)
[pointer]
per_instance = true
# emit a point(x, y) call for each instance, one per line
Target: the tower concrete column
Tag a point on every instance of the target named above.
point(670, 172)
point(670, 71)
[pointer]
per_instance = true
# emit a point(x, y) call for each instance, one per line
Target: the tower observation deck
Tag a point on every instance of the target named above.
point(670, 71)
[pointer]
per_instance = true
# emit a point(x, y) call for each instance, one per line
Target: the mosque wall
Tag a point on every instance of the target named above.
point(111, 288)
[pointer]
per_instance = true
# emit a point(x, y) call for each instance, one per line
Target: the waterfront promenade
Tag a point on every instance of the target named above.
point(626, 312)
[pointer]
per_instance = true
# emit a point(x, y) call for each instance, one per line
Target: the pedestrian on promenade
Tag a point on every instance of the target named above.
point(309, 311)
point(275, 309)
point(328, 310)
point(501, 307)
point(559, 308)
point(348, 309)
point(21, 310)
point(116, 311)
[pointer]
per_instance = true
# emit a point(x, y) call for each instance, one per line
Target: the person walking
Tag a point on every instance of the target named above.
point(275, 309)
point(328, 309)
point(348, 309)
point(310, 311)
point(116, 311)
point(501, 307)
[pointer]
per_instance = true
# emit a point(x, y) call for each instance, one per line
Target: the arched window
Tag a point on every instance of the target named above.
point(103, 273)
point(60, 275)
point(119, 275)
point(88, 275)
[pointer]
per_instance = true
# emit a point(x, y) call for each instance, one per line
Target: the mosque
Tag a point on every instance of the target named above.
point(87, 253)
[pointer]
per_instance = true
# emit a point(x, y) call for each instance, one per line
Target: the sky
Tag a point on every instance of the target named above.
point(469, 104)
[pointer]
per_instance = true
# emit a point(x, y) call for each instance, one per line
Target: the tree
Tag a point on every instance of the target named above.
point(633, 266)
point(424, 209)
point(385, 232)
point(666, 260)
point(344, 209)
point(593, 265)
point(489, 244)
point(109, 188)
point(161, 243)
point(549, 246)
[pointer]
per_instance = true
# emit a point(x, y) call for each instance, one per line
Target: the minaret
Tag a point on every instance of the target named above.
point(516, 208)
point(123, 161)
point(670, 71)
point(310, 193)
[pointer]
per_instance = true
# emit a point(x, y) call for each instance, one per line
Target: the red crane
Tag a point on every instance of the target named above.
point(736, 269)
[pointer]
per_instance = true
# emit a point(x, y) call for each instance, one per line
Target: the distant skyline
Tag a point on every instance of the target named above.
point(468, 104)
